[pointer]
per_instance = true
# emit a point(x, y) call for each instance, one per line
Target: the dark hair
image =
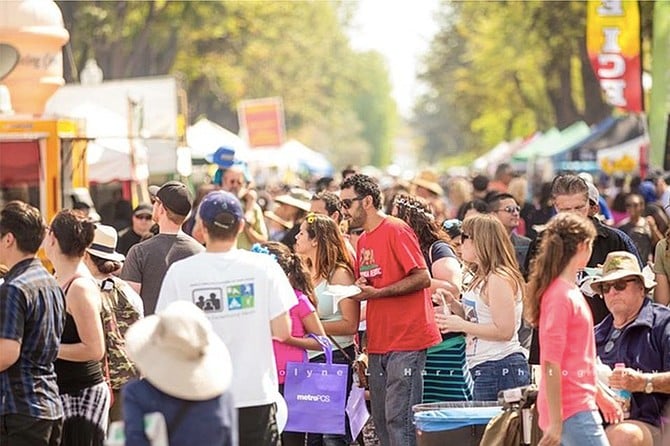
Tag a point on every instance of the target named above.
point(25, 223)
point(494, 201)
point(323, 183)
point(330, 200)
point(294, 267)
point(478, 205)
point(73, 232)
point(558, 244)
point(219, 232)
point(416, 213)
point(480, 183)
point(105, 266)
point(569, 184)
point(364, 185)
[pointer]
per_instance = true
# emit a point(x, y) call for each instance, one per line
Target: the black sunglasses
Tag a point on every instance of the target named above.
point(465, 236)
point(619, 285)
point(347, 202)
point(143, 217)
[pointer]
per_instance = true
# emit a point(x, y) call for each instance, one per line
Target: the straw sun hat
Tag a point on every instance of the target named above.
point(178, 352)
point(620, 264)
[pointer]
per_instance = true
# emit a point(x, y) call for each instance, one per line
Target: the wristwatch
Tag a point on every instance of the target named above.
point(649, 386)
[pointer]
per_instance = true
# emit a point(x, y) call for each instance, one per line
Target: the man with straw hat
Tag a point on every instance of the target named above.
point(246, 296)
point(187, 372)
point(637, 334)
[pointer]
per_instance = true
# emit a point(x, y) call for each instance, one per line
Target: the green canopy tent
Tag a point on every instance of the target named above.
point(553, 142)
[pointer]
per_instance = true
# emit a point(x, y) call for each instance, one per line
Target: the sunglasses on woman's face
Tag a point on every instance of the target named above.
point(465, 236)
point(619, 285)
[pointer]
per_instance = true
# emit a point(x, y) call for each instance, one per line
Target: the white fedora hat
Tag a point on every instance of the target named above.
point(178, 352)
point(104, 244)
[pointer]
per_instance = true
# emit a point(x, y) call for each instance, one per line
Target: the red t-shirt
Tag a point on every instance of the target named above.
point(567, 338)
point(397, 323)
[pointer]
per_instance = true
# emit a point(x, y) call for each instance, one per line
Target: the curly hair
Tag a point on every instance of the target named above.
point(417, 214)
point(558, 244)
point(364, 185)
point(295, 269)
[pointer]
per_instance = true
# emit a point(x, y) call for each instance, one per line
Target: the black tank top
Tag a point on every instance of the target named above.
point(74, 376)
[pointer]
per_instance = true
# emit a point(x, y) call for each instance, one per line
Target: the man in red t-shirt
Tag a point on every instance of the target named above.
point(393, 278)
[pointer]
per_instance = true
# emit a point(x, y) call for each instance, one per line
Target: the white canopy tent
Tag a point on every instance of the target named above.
point(205, 137)
point(109, 153)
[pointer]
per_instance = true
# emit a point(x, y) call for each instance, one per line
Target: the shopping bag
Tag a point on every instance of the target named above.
point(315, 394)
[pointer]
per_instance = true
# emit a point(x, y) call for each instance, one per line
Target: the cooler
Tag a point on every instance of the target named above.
point(461, 423)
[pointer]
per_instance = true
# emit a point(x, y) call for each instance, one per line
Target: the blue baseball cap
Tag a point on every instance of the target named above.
point(220, 208)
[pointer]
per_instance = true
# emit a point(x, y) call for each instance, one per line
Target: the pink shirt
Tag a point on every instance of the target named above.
point(566, 338)
point(284, 352)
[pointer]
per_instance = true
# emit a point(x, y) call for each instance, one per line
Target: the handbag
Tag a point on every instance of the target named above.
point(316, 394)
point(359, 365)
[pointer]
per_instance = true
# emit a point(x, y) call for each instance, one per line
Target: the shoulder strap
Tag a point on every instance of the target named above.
point(66, 285)
point(339, 347)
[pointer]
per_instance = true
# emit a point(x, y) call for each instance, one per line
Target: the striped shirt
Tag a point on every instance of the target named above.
point(32, 312)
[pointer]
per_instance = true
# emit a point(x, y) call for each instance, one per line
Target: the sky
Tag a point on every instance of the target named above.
point(401, 30)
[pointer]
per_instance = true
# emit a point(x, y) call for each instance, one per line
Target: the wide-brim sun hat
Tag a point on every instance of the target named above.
point(428, 180)
point(178, 352)
point(104, 244)
point(298, 198)
point(620, 264)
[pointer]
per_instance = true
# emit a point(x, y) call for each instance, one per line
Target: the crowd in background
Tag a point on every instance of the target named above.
point(461, 286)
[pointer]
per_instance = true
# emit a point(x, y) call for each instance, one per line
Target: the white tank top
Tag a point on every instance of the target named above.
point(477, 311)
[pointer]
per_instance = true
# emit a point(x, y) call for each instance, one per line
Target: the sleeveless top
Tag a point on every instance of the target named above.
point(326, 310)
point(74, 376)
point(479, 350)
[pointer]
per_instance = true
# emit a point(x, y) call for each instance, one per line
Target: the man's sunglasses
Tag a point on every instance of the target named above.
point(143, 217)
point(619, 285)
point(511, 209)
point(347, 202)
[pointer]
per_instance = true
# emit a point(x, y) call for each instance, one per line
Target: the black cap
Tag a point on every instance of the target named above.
point(175, 196)
point(143, 209)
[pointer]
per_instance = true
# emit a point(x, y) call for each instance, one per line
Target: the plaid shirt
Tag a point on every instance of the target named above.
point(32, 312)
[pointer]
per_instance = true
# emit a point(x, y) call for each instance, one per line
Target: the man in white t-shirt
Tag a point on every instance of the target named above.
point(246, 296)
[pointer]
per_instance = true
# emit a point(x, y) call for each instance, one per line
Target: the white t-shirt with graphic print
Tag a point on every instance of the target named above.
point(240, 292)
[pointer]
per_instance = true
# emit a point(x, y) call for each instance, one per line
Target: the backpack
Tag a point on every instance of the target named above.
point(507, 429)
point(118, 315)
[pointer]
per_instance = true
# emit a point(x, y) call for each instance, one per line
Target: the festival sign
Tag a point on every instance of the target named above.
point(613, 44)
point(262, 122)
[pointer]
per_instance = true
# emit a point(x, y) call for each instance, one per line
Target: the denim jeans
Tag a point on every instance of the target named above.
point(493, 376)
point(396, 384)
point(584, 429)
point(334, 439)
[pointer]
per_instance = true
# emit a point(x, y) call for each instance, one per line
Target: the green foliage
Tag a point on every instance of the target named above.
point(498, 70)
point(229, 51)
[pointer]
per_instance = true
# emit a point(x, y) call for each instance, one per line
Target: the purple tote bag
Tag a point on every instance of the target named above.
point(316, 394)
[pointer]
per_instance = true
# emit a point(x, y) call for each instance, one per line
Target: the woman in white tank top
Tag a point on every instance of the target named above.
point(490, 310)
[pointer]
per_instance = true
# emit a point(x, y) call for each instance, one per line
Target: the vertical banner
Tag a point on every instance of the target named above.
point(613, 44)
point(262, 122)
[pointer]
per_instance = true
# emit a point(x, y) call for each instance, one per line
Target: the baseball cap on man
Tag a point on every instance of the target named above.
point(175, 196)
point(143, 209)
point(221, 209)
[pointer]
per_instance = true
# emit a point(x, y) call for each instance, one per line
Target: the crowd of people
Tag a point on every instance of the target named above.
point(452, 290)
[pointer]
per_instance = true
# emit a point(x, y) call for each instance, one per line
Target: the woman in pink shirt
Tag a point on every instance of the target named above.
point(304, 320)
point(568, 398)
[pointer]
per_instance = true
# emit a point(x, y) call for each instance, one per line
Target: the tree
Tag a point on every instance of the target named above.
point(225, 52)
point(500, 70)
